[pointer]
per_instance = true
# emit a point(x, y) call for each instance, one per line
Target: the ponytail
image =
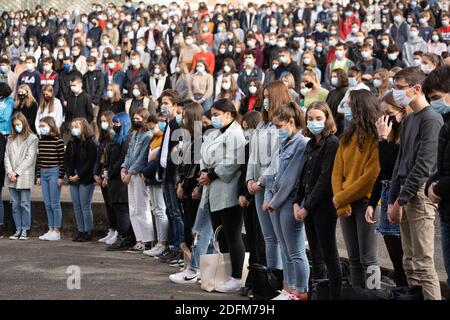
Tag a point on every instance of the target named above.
point(290, 111)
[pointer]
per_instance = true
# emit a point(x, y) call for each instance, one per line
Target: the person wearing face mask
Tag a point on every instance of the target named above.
point(114, 74)
point(253, 100)
point(79, 162)
point(415, 43)
point(230, 90)
point(151, 36)
point(408, 205)
point(118, 193)
point(252, 44)
point(355, 82)
point(319, 33)
point(94, 82)
point(159, 56)
point(388, 128)
point(14, 51)
point(249, 71)
point(112, 101)
point(399, 29)
point(339, 83)
point(136, 72)
point(436, 45)
point(33, 31)
point(112, 32)
point(20, 163)
point(139, 99)
point(311, 90)
point(369, 64)
point(313, 203)
point(220, 185)
point(288, 66)
point(393, 58)
point(33, 48)
point(79, 103)
point(68, 73)
point(436, 89)
point(280, 181)
point(355, 170)
point(7, 75)
point(159, 81)
point(50, 106)
point(430, 61)
point(340, 62)
point(95, 32)
point(269, 51)
point(181, 81)
point(31, 77)
point(26, 104)
point(202, 85)
point(188, 52)
point(444, 30)
point(204, 55)
point(222, 54)
point(303, 13)
point(79, 59)
point(105, 43)
point(347, 22)
point(425, 29)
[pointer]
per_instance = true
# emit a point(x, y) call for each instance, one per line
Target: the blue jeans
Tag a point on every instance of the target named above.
point(173, 213)
point(445, 238)
point(273, 252)
point(2, 209)
point(52, 196)
point(292, 239)
point(384, 227)
point(204, 237)
point(81, 195)
point(21, 207)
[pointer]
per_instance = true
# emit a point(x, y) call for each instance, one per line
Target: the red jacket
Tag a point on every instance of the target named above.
point(208, 57)
point(345, 25)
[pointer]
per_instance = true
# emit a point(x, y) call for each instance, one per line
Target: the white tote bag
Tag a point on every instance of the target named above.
point(215, 269)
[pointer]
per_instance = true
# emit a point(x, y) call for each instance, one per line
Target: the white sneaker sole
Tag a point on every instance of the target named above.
point(183, 281)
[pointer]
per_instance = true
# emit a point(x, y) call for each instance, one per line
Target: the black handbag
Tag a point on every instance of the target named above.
point(266, 282)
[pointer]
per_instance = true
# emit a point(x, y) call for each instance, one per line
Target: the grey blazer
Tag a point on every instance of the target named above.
point(20, 157)
point(225, 153)
point(182, 84)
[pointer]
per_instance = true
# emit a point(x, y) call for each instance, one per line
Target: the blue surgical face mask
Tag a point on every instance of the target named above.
point(283, 134)
point(316, 127)
point(179, 119)
point(18, 128)
point(348, 114)
point(44, 131)
point(216, 123)
point(334, 81)
point(440, 106)
point(162, 125)
point(76, 132)
point(67, 67)
point(266, 104)
point(352, 82)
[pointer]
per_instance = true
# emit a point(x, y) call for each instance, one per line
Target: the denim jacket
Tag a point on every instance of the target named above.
point(136, 158)
point(282, 176)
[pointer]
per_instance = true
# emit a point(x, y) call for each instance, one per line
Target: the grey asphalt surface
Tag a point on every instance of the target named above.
point(35, 269)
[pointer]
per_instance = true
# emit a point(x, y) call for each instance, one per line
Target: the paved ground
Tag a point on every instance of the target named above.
point(37, 270)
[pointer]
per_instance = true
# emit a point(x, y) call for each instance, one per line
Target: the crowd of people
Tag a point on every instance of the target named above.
point(281, 118)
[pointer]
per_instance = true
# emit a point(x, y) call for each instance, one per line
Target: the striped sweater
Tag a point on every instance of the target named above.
point(51, 154)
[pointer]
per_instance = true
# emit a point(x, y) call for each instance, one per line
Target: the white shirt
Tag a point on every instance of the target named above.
point(57, 114)
point(359, 86)
point(165, 148)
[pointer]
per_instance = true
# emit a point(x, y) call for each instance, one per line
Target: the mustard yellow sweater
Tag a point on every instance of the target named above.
point(354, 172)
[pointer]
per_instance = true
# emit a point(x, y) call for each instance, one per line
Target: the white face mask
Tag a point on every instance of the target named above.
point(200, 69)
point(227, 69)
point(400, 97)
point(226, 85)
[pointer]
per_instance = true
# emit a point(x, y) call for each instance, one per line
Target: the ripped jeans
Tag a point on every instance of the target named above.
point(204, 237)
point(21, 207)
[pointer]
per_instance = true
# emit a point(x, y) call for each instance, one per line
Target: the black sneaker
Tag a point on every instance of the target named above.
point(176, 259)
point(120, 245)
point(167, 258)
point(78, 237)
point(1, 232)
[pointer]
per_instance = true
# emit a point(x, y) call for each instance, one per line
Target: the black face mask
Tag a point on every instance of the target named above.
point(309, 85)
point(137, 125)
point(204, 129)
point(22, 96)
point(117, 129)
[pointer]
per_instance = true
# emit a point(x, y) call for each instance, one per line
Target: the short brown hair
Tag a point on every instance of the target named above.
point(330, 125)
point(412, 75)
point(172, 94)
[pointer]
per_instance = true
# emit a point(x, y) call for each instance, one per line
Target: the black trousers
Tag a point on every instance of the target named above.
point(189, 213)
point(320, 226)
point(109, 212)
point(122, 218)
point(230, 240)
point(254, 236)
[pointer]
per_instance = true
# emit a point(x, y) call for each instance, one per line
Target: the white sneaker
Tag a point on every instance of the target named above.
point(54, 236)
point(112, 239)
point(44, 236)
point(16, 235)
point(23, 235)
point(109, 235)
point(155, 251)
point(186, 276)
point(232, 285)
point(284, 295)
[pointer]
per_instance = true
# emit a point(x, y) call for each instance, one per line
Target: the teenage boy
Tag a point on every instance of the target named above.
point(416, 162)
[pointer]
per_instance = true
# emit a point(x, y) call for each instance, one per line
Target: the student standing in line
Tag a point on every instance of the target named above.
point(20, 162)
point(79, 161)
point(281, 179)
point(416, 162)
point(50, 174)
point(313, 203)
point(355, 170)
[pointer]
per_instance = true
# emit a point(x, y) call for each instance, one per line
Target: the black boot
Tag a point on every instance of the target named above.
point(86, 237)
point(78, 237)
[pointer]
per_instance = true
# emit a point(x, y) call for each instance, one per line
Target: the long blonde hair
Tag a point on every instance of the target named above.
point(29, 99)
point(51, 103)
